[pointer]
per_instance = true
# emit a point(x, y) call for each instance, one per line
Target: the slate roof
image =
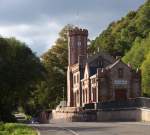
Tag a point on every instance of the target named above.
point(93, 70)
point(103, 55)
point(112, 65)
point(90, 59)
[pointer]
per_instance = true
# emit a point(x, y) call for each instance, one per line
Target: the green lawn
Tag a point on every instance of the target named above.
point(16, 129)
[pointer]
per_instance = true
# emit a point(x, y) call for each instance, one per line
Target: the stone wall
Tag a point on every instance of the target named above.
point(76, 115)
point(72, 114)
point(119, 115)
point(134, 114)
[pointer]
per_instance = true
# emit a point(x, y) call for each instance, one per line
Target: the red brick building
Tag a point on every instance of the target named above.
point(97, 78)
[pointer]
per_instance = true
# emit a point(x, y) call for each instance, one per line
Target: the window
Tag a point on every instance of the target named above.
point(86, 99)
point(94, 80)
point(74, 79)
point(78, 96)
point(94, 94)
point(83, 96)
point(120, 72)
point(83, 83)
point(79, 43)
point(77, 78)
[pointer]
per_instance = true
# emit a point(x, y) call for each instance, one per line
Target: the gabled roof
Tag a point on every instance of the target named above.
point(90, 59)
point(115, 63)
point(112, 65)
point(91, 70)
point(103, 55)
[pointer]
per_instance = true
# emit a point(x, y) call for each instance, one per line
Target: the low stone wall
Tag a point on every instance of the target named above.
point(79, 115)
point(73, 115)
point(119, 115)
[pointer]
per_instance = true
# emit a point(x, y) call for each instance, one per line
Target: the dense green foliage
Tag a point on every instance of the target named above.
point(138, 57)
point(146, 75)
point(120, 35)
point(129, 37)
point(16, 129)
point(20, 70)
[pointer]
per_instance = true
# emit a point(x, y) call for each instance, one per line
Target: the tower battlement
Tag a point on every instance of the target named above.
point(78, 31)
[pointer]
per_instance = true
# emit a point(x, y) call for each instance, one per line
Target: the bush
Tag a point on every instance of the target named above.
point(15, 129)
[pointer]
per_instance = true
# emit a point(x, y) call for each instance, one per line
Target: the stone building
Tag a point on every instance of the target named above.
point(97, 78)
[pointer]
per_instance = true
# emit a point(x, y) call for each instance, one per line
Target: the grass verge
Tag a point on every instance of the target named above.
point(16, 129)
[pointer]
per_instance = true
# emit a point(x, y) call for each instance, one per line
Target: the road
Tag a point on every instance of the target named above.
point(94, 128)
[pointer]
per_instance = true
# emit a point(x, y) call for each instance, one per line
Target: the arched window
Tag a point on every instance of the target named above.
point(83, 96)
point(74, 79)
point(94, 94)
point(78, 96)
point(77, 78)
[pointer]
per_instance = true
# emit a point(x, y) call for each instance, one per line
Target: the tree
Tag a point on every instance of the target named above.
point(146, 75)
point(20, 69)
point(121, 35)
point(55, 61)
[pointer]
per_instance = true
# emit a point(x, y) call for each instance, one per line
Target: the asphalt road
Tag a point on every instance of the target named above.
point(94, 128)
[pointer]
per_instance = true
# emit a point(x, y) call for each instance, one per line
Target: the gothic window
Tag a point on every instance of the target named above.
point(94, 94)
point(93, 80)
point(74, 79)
point(83, 96)
point(78, 96)
point(77, 78)
point(79, 43)
point(74, 99)
point(120, 72)
point(83, 83)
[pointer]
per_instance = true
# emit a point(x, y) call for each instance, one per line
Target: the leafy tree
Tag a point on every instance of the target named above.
point(55, 61)
point(146, 75)
point(20, 69)
point(121, 35)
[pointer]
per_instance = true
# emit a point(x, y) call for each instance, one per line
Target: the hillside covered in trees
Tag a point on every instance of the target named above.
point(130, 38)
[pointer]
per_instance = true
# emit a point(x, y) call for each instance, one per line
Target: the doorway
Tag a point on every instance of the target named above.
point(120, 94)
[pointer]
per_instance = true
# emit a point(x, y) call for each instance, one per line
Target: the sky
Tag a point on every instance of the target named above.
point(38, 22)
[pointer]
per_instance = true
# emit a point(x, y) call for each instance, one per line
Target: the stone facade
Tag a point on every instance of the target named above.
point(97, 78)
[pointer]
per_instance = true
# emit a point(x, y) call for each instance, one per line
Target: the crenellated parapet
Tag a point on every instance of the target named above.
point(78, 31)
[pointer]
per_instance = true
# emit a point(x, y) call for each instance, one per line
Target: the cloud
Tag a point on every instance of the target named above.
point(37, 22)
point(39, 37)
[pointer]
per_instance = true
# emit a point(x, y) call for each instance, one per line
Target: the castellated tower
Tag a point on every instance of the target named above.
point(77, 44)
point(77, 53)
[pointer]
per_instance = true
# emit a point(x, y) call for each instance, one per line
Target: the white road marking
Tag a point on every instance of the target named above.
point(69, 130)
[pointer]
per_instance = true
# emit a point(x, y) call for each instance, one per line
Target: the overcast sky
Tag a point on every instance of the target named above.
point(37, 22)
